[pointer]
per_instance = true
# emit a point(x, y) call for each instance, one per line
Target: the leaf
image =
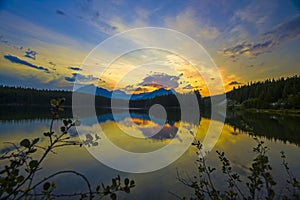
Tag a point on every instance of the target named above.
point(89, 137)
point(114, 182)
point(47, 134)
point(65, 122)
point(25, 143)
point(53, 102)
point(113, 196)
point(34, 141)
point(62, 129)
point(32, 150)
point(126, 181)
point(98, 188)
point(33, 164)
point(61, 101)
point(132, 183)
point(25, 189)
point(46, 186)
point(20, 179)
point(127, 189)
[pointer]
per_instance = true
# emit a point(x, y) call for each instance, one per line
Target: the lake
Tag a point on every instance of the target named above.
point(236, 140)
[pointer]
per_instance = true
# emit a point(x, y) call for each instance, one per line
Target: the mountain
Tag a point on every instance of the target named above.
point(153, 94)
point(91, 89)
point(118, 94)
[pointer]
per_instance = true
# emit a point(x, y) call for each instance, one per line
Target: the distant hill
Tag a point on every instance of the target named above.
point(118, 94)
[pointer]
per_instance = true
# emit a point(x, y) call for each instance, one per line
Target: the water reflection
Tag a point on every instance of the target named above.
point(279, 133)
point(273, 127)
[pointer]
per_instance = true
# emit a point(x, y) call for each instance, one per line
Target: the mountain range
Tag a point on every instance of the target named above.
point(118, 94)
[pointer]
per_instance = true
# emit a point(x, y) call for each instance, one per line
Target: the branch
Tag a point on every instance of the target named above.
point(59, 173)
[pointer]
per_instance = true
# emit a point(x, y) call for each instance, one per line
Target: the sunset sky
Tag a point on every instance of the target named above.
point(44, 43)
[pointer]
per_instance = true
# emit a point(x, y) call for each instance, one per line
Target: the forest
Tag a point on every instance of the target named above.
point(283, 93)
point(32, 97)
point(29, 96)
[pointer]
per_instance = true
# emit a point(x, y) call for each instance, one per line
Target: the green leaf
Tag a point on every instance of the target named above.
point(33, 164)
point(34, 141)
point(89, 137)
point(25, 143)
point(53, 185)
point(62, 129)
point(113, 196)
point(61, 101)
point(53, 102)
point(132, 183)
point(98, 188)
point(126, 181)
point(127, 189)
point(65, 122)
point(46, 186)
point(15, 172)
point(25, 189)
point(20, 179)
point(47, 134)
point(114, 182)
point(32, 150)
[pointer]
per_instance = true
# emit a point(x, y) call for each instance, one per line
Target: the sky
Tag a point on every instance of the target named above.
point(47, 44)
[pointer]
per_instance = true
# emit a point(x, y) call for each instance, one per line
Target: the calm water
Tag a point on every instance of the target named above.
point(279, 133)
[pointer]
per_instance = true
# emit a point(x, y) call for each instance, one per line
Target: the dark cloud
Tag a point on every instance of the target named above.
point(81, 78)
point(75, 68)
point(161, 80)
point(234, 83)
point(248, 49)
point(30, 54)
point(285, 32)
point(17, 60)
point(70, 79)
point(59, 12)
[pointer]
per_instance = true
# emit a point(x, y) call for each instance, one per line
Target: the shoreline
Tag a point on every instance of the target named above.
point(289, 112)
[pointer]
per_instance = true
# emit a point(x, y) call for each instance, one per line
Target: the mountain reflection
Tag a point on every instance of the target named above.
point(283, 128)
point(152, 128)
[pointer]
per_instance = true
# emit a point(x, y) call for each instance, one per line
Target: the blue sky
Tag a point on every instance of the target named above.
point(44, 43)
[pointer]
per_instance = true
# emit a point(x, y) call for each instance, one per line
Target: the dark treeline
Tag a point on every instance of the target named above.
point(283, 93)
point(277, 94)
point(15, 113)
point(31, 97)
